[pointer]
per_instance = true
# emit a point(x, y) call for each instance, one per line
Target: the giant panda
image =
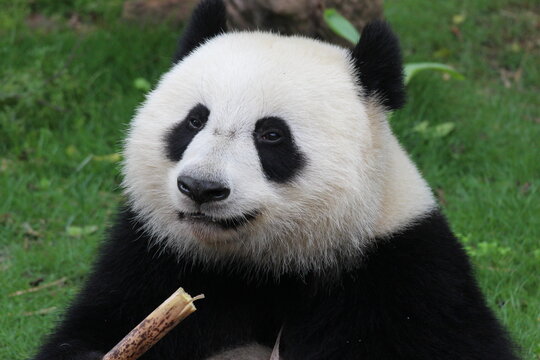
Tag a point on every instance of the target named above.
point(262, 172)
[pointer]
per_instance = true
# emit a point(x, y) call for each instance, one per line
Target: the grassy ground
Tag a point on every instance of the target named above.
point(67, 92)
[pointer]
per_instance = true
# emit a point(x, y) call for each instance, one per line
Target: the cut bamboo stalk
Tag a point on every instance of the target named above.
point(155, 326)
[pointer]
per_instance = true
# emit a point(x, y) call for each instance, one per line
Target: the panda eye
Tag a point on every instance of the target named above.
point(271, 136)
point(195, 123)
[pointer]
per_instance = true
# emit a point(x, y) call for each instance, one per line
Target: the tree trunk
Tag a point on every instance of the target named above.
point(300, 16)
point(289, 17)
point(158, 11)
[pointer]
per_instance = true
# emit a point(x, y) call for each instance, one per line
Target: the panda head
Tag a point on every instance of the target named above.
point(272, 150)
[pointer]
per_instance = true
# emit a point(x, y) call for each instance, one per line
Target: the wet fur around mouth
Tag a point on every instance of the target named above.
point(224, 223)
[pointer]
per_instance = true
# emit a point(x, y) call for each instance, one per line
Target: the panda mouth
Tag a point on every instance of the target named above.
point(226, 223)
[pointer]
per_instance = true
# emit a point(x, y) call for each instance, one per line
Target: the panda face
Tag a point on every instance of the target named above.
point(259, 147)
point(212, 191)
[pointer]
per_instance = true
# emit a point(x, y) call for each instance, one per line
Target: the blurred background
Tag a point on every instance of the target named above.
point(72, 73)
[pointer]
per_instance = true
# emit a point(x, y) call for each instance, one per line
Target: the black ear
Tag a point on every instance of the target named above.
point(208, 20)
point(377, 58)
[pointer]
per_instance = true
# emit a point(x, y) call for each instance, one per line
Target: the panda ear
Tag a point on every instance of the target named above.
point(209, 19)
point(377, 59)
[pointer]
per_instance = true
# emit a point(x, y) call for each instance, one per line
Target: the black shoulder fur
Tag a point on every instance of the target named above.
point(412, 296)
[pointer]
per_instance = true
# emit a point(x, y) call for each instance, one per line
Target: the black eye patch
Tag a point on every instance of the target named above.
point(178, 138)
point(280, 157)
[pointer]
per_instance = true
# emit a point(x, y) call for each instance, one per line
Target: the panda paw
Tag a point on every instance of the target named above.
point(247, 352)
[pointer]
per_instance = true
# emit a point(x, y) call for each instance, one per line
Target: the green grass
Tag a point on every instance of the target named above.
point(67, 94)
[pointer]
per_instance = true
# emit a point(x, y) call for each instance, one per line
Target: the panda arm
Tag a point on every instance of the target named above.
point(126, 284)
point(413, 297)
point(130, 279)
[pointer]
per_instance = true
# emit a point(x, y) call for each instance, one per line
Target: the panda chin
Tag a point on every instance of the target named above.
point(232, 223)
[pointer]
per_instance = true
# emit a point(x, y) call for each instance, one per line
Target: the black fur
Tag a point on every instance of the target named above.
point(178, 138)
point(209, 19)
point(377, 58)
point(412, 296)
point(280, 161)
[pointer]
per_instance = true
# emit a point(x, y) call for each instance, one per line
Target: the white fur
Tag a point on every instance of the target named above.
point(358, 182)
point(247, 352)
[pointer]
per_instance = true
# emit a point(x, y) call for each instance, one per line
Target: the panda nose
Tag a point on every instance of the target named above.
point(202, 191)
